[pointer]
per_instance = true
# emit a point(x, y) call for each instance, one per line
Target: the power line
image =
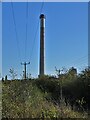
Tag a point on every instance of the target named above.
point(42, 5)
point(17, 40)
point(34, 40)
point(25, 63)
point(83, 58)
point(26, 29)
point(79, 60)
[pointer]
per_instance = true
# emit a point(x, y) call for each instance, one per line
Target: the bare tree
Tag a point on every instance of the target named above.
point(13, 73)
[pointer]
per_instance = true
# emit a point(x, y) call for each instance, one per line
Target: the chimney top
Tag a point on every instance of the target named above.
point(42, 16)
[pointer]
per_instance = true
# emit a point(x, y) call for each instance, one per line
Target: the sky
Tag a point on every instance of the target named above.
point(66, 36)
point(0, 39)
point(46, 0)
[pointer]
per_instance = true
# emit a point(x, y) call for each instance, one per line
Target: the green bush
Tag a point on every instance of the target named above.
point(40, 98)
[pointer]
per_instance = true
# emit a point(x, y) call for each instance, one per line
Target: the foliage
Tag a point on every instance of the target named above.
point(13, 73)
point(75, 87)
point(21, 99)
point(40, 98)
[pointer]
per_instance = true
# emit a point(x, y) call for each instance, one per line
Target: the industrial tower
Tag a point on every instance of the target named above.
point(42, 39)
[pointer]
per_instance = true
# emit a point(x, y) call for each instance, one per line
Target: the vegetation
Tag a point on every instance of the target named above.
point(41, 98)
point(0, 99)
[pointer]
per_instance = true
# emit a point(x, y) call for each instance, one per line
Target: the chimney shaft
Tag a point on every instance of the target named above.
point(42, 39)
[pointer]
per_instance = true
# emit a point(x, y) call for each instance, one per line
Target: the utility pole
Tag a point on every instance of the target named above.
point(25, 64)
point(61, 94)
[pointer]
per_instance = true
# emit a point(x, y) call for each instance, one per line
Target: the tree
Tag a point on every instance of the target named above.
point(6, 77)
point(13, 73)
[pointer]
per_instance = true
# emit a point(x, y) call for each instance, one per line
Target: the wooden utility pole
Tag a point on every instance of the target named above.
point(25, 64)
point(61, 94)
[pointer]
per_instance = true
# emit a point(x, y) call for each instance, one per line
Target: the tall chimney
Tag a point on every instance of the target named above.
point(42, 39)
